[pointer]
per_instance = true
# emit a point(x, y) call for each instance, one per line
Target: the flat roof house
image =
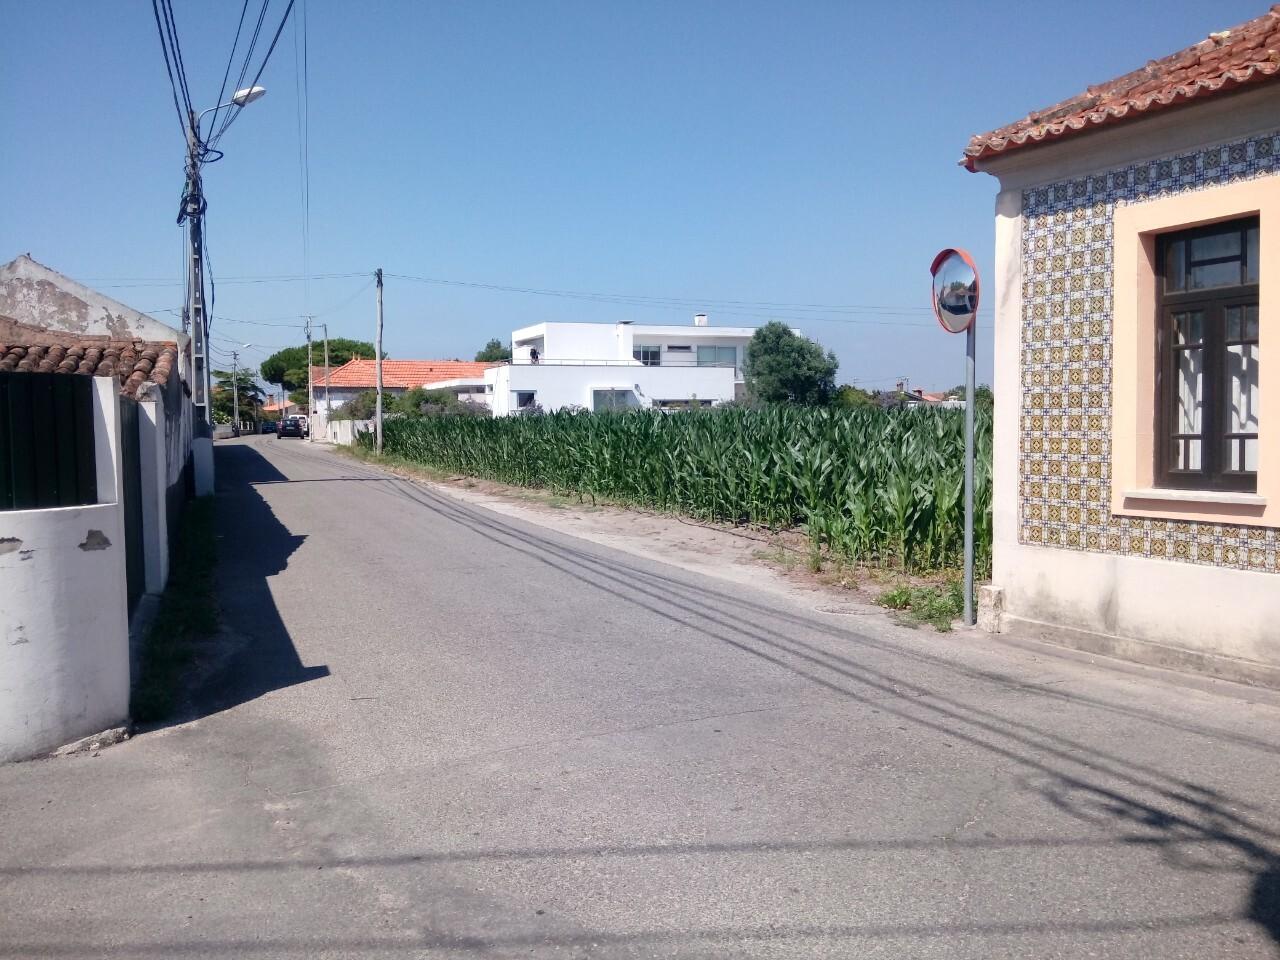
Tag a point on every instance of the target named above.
point(1137, 352)
point(599, 366)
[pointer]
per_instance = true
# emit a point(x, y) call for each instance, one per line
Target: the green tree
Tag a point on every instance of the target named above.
point(783, 367)
point(251, 395)
point(494, 351)
point(360, 407)
point(849, 397)
point(288, 367)
point(982, 395)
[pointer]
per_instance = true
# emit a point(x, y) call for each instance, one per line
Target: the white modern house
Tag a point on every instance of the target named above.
point(600, 366)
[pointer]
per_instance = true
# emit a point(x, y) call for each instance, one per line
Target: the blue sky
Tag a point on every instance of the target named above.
point(771, 153)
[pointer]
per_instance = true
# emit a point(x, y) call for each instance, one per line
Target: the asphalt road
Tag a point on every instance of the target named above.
point(438, 732)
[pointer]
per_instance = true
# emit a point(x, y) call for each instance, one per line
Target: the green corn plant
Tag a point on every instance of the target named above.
point(869, 485)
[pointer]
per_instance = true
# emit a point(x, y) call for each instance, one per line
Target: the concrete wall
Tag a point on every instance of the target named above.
point(64, 639)
point(344, 431)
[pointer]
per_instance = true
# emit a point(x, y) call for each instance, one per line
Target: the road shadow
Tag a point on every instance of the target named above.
point(1194, 826)
point(1136, 801)
point(253, 652)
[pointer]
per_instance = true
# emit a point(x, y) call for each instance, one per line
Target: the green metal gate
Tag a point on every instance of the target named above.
point(131, 499)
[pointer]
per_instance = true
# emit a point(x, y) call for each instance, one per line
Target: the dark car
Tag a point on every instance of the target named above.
point(291, 427)
point(268, 426)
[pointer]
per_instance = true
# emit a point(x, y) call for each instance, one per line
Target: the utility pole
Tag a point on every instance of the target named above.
point(328, 407)
point(194, 314)
point(311, 389)
point(235, 393)
point(377, 356)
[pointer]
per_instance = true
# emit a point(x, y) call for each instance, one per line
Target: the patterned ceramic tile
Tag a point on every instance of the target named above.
point(1064, 463)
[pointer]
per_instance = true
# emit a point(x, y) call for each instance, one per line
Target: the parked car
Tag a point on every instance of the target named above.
point(268, 426)
point(291, 427)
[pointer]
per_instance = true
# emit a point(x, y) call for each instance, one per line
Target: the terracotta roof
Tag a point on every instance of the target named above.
point(1225, 61)
point(25, 348)
point(402, 373)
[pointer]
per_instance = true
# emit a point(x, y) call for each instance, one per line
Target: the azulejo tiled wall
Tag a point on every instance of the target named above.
point(1064, 461)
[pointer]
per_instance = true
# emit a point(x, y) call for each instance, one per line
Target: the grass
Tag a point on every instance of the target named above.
point(188, 612)
point(936, 604)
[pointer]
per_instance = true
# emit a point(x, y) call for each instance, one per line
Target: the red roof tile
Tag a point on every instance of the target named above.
point(401, 373)
point(24, 348)
point(1225, 61)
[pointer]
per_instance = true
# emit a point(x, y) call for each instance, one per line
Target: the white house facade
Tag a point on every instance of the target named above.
point(599, 366)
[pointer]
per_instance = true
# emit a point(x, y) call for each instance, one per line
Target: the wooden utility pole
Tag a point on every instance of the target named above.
point(377, 356)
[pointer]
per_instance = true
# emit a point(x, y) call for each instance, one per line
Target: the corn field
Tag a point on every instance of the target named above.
point(868, 485)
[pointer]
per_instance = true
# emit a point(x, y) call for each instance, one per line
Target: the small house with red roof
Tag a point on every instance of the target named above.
point(358, 376)
point(1137, 361)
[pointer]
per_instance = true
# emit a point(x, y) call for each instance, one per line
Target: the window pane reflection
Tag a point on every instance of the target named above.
point(1190, 396)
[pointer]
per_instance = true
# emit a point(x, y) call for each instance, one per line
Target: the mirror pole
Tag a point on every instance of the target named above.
point(970, 350)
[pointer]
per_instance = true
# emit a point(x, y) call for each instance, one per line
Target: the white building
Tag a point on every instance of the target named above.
point(601, 366)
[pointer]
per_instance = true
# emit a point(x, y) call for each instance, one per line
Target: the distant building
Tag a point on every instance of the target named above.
point(598, 366)
point(357, 376)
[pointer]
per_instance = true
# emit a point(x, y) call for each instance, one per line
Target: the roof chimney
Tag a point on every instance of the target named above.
point(700, 320)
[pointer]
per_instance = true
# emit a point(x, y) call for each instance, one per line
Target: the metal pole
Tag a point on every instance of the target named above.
point(311, 390)
point(377, 355)
point(970, 353)
point(235, 393)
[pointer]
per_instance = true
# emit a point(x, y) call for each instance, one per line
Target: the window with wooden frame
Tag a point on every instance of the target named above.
point(1207, 358)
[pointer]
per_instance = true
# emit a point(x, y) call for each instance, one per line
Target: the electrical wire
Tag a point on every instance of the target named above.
point(244, 68)
point(683, 302)
point(183, 119)
point(231, 115)
point(116, 283)
point(222, 90)
point(175, 47)
point(302, 99)
point(908, 316)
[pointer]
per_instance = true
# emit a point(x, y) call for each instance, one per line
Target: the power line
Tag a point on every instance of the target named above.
point(114, 283)
point(213, 120)
point(263, 323)
point(849, 313)
point(302, 100)
point(175, 46)
point(183, 118)
point(231, 116)
point(684, 302)
point(244, 68)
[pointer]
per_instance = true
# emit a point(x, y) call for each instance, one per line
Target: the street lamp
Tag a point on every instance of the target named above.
point(240, 98)
point(192, 213)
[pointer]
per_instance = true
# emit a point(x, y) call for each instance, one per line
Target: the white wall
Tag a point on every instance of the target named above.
point(559, 386)
point(586, 341)
point(64, 635)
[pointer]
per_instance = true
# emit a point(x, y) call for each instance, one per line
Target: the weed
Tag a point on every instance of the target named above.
point(936, 604)
point(896, 598)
